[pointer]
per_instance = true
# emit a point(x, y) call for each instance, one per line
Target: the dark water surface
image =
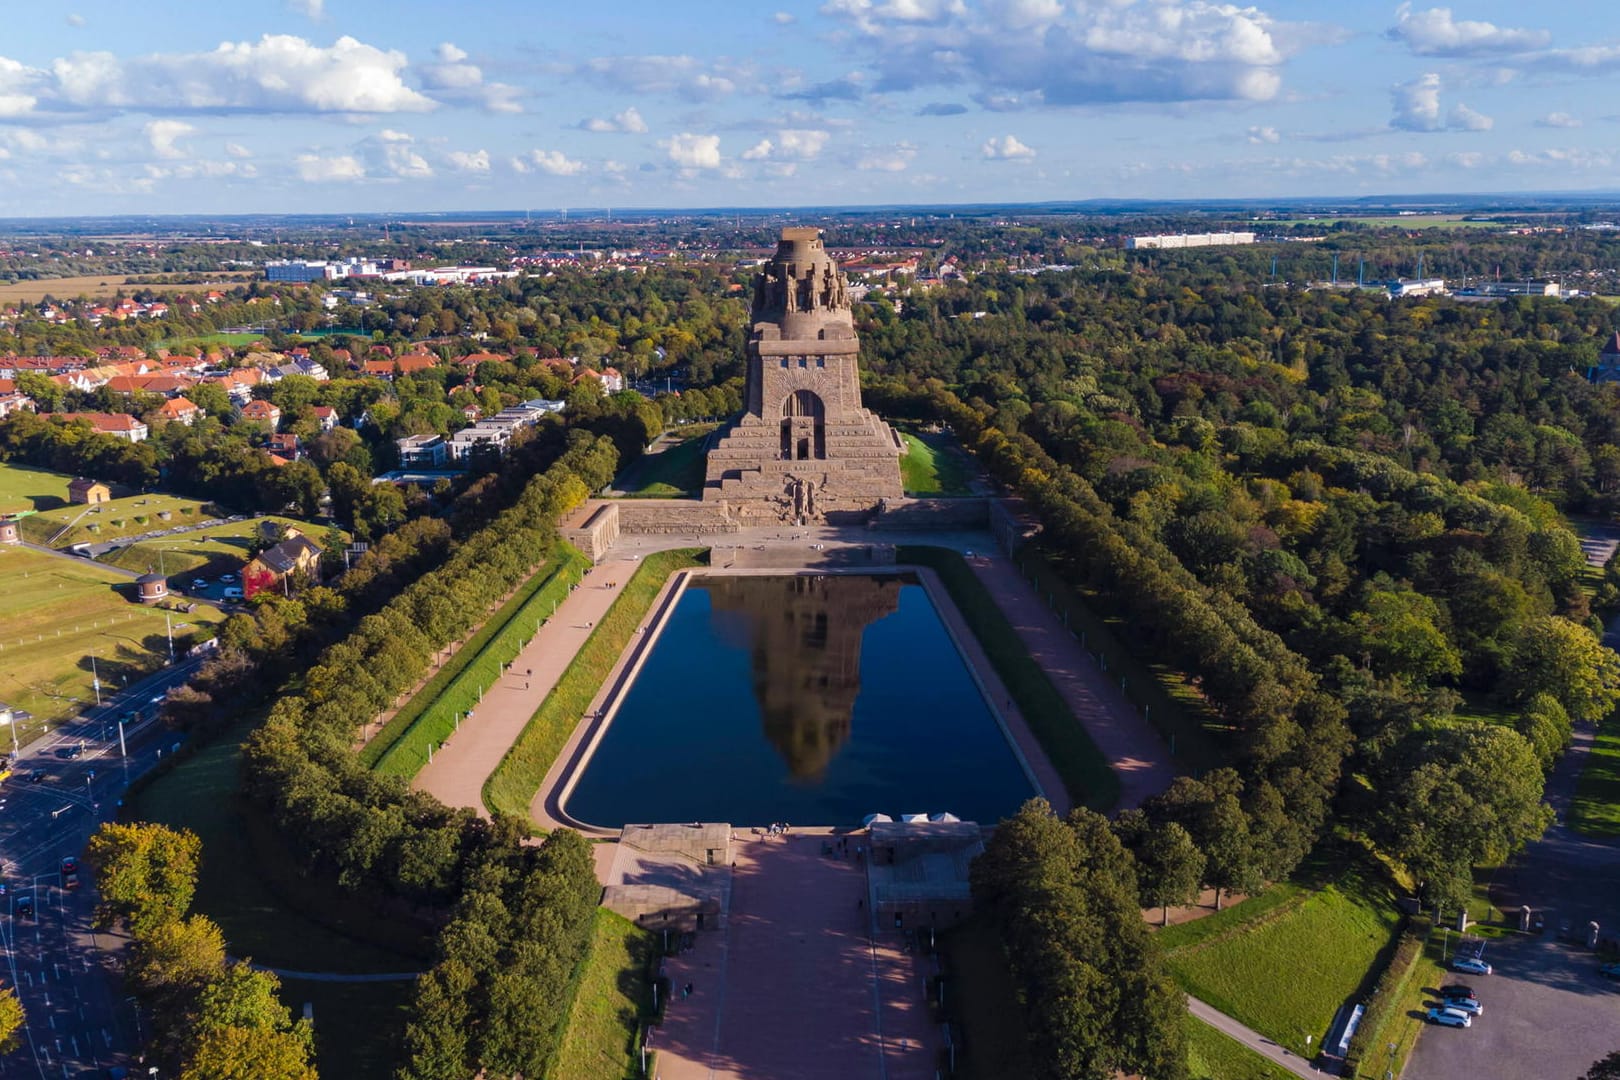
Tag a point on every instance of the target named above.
point(809, 700)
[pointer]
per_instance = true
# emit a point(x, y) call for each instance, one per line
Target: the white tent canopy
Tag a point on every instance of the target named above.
point(912, 819)
point(870, 818)
point(947, 816)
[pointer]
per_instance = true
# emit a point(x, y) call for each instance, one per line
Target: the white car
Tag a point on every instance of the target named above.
point(1470, 965)
point(1450, 1018)
point(198, 583)
point(1467, 1005)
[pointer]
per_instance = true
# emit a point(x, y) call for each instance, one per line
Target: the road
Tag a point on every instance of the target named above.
point(67, 975)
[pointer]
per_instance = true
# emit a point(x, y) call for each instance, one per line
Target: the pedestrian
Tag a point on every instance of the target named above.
point(525, 684)
point(688, 988)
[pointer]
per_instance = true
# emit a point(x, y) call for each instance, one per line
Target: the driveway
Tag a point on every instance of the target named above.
point(1547, 1011)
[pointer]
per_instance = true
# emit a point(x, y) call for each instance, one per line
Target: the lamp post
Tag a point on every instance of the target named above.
point(95, 679)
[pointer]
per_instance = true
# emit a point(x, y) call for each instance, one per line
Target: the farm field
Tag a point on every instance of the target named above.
point(130, 515)
point(23, 487)
point(56, 614)
point(1396, 221)
point(207, 552)
point(96, 286)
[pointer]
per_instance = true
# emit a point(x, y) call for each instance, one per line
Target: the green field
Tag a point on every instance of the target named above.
point(402, 747)
point(232, 340)
point(512, 786)
point(1397, 221)
point(612, 1001)
point(1285, 965)
point(23, 487)
point(1595, 809)
point(358, 1026)
point(1086, 774)
point(672, 473)
point(204, 552)
point(57, 612)
point(130, 515)
point(1213, 1056)
point(933, 465)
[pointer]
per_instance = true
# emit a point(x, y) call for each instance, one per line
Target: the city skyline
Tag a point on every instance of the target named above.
point(356, 106)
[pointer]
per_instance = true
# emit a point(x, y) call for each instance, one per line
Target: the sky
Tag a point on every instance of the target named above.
point(303, 106)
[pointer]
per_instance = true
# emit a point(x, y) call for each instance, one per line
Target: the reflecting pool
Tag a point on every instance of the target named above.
point(813, 700)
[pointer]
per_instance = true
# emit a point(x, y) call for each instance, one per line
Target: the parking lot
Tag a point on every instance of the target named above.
point(1548, 1013)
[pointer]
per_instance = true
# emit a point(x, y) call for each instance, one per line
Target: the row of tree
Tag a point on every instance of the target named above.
point(207, 1016)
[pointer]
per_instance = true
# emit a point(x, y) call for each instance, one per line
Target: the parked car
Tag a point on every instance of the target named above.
point(227, 578)
point(1466, 1004)
point(1472, 966)
point(1610, 971)
point(1457, 990)
point(25, 907)
point(36, 776)
point(70, 881)
point(70, 865)
point(1450, 1018)
point(198, 583)
point(232, 593)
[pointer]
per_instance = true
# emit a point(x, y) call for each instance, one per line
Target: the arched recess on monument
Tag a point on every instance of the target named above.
point(804, 426)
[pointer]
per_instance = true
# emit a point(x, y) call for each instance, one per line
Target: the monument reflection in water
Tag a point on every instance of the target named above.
point(810, 699)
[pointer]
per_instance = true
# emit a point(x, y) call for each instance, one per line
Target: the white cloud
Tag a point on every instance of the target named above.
point(1558, 120)
point(75, 19)
point(1436, 33)
point(1258, 134)
point(629, 121)
point(473, 161)
point(314, 169)
point(450, 71)
point(682, 76)
point(394, 153)
point(1417, 108)
point(237, 150)
point(784, 18)
point(277, 73)
point(1053, 54)
point(894, 158)
point(693, 151)
point(313, 9)
point(554, 162)
point(1006, 148)
point(790, 144)
point(1467, 159)
point(759, 151)
point(161, 134)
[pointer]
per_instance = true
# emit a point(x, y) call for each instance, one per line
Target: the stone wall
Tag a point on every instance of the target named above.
point(593, 529)
point(972, 513)
point(674, 517)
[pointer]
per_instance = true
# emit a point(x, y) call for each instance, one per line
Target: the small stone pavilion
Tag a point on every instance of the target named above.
point(804, 449)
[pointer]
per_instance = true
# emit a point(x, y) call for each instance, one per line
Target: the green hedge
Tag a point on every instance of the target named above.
point(1384, 1004)
point(512, 786)
point(401, 748)
point(1086, 774)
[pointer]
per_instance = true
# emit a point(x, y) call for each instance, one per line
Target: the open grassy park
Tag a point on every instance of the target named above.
point(933, 465)
point(207, 552)
point(612, 1000)
point(56, 613)
point(128, 515)
point(24, 488)
point(1595, 810)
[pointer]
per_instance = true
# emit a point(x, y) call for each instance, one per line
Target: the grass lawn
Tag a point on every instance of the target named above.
point(358, 1026)
point(401, 748)
point(56, 613)
point(1213, 1056)
point(671, 473)
point(933, 465)
point(205, 552)
point(249, 883)
point(611, 1001)
point(512, 786)
point(23, 487)
point(1595, 810)
point(1286, 972)
point(1086, 775)
point(130, 515)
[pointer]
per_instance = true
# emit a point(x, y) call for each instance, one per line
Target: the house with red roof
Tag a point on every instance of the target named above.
point(327, 416)
point(179, 411)
point(118, 425)
point(262, 412)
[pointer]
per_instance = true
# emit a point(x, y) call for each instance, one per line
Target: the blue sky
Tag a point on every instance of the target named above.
point(361, 105)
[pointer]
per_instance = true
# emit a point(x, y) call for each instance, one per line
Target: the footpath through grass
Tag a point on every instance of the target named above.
point(1213, 1056)
point(1595, 810)
point(1085, 772)
point(1173, 707)
point(1285, 965)
point(933, 465)
point(428, 718)
point(611, 1002)
point(512, 786)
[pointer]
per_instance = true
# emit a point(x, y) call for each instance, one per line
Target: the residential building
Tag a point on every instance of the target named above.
point(327, 415)
point(180, 411)
point(495, 432)
point(422, 451)
point(286, 445)
point(14, 402)
point(1607, 368)
point(295, 556)
point(118, 425)
point(262, 412)
point(1417, 287)
point(1188, 240)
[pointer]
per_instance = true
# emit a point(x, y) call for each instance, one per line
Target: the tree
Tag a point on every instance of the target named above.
point(241, 1053)
point(1605, 1069)
point(1230, 859)
point(1555, 656)
point(1547, 727)
point(1169, 868)
point(11, 1020)
point(146, 873)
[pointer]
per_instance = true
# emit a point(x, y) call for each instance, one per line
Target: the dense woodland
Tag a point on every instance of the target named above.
point(1344, 519)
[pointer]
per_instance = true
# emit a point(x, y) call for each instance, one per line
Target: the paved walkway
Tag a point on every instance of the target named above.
point(460, 766)
point(1252, 1039)
point(799, 986)
point(1133, 748)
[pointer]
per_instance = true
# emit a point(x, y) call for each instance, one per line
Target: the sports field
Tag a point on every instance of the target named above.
point(55, 614)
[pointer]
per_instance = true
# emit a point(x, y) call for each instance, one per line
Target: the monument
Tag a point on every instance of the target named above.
point(804, 450)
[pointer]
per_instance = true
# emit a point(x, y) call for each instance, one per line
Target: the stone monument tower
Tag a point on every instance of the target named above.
point(804, 450)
